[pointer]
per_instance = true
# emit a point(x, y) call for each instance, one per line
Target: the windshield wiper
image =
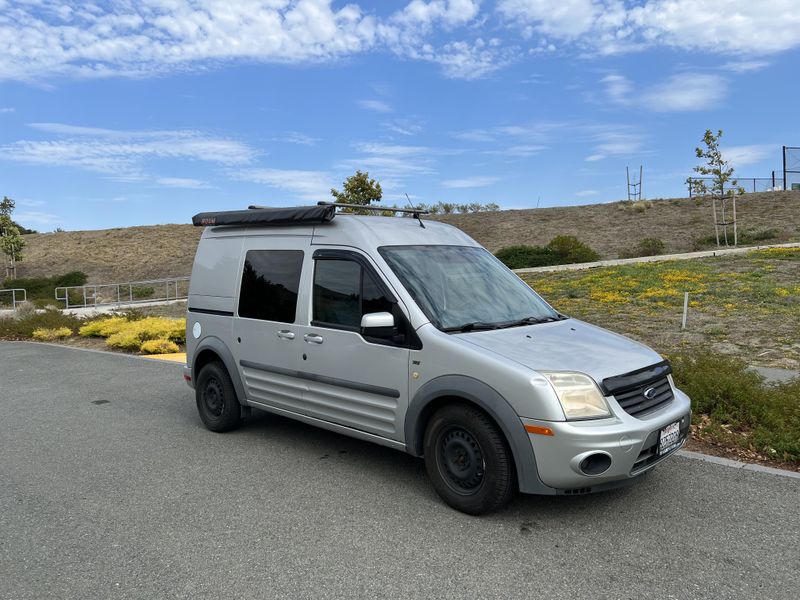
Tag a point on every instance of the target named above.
point(534, 320)
point(473, 326)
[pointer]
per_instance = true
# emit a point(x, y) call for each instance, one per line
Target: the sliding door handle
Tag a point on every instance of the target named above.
point(285, 334)
point(313, 338)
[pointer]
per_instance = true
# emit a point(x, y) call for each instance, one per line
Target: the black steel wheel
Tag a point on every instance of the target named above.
point(468, 460)
point(216, 398)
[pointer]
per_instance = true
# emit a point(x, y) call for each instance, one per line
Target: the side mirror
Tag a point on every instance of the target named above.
point(379, 325)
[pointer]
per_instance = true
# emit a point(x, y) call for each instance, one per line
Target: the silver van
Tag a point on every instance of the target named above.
point(408, 333)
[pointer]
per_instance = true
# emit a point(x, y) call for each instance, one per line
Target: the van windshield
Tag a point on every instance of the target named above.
point(464, 288)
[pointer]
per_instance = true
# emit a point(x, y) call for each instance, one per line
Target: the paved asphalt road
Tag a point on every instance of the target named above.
point(135, 499)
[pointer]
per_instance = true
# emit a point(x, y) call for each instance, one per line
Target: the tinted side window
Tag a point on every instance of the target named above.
point(337, 292)
point(270, 281)
point(344, 292)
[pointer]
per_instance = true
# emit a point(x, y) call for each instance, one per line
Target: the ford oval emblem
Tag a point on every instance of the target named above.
point(650, 393)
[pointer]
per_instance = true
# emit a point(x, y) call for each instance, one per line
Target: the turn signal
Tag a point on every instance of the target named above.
point(539, 430)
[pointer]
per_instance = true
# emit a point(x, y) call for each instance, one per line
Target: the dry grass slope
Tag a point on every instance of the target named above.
point(136, 253)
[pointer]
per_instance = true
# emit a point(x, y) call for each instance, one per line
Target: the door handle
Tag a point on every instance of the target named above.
point(285, 334)
point(313, 338)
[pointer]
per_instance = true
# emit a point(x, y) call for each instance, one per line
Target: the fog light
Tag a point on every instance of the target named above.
point(595, 464)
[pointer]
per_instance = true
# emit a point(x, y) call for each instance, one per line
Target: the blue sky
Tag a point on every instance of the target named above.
point(123, 113)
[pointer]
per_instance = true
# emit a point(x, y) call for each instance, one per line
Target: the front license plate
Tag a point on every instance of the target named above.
point(669, 438)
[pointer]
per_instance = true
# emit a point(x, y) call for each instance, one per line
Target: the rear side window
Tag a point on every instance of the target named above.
point(270, 281)
point(343, 292)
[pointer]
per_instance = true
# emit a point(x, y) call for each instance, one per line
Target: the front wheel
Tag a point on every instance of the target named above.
point(216, 398)
point(468, 460)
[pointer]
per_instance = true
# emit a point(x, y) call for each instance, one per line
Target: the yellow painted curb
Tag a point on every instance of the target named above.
point(177, 357)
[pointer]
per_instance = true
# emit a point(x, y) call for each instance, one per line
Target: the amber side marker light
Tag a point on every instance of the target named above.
point(539, 430)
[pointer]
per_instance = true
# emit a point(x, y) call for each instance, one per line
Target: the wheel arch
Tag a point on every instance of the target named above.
point(460, 388)
point(211, 349)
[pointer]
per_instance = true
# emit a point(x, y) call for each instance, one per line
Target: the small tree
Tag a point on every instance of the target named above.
point(722, 182)
point(358, 189)
point(11, 241)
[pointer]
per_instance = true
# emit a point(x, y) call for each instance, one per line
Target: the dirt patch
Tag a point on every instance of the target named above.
point(159, 251)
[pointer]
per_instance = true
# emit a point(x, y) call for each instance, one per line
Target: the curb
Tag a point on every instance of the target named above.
point(727, 462)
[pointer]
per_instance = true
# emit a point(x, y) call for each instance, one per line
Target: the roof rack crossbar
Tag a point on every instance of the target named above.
point(410, 211)
point(415, 213)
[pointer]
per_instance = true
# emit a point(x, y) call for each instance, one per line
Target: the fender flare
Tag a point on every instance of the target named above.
point(219, 348)
point(490, 401)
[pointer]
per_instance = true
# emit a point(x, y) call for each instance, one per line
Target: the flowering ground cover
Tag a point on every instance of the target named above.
point(745, 306)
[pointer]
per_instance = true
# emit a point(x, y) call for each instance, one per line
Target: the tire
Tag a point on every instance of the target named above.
point(217, 403)
point(468, 460)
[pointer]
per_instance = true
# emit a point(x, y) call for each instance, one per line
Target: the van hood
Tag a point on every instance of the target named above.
point(568, 345)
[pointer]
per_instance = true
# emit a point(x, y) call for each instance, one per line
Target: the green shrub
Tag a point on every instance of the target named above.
point(645, 247)
point(142, 292)
point(571, 250)
point(521, 256)
point(732, 404)
point(562, 250)
point(159, 347)
point(43, 288)
point(22, 328)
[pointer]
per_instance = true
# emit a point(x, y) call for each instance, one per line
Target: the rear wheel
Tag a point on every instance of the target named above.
point(216, 398)
point(468, 460)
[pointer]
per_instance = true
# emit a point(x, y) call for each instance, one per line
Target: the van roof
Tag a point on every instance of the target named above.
point(360, 231)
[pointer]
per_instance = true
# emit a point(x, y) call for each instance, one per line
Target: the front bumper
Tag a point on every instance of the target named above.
point(630, 443)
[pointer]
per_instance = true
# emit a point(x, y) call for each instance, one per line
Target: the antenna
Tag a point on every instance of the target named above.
point(416, 214)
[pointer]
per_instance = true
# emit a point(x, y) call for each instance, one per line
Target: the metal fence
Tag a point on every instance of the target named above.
point(130, 292)
point(16, 295)
point(749, 184)
point(791, 167)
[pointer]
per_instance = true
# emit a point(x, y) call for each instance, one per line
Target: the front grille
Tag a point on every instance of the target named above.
point(634, 402)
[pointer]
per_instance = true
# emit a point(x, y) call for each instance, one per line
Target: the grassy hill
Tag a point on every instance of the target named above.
point(683, 224)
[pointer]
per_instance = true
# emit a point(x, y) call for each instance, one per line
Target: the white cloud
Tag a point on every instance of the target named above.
point(32, 219)
point(308, 185)
point(586, 193)
point(718, 26)
point(681, 92)
point(419, 13)
point(154, 36)
point(618, 88)
point(742, 156)
point(391, 164)
point(295, 137)
point(475, 181)
point(518, 151)
point(123, 154)
point(745, 66)
point(6, 110)
point(563, 18)
point(685, 92)
point(184, 182)
point(406, 127)
point(375, 105)
point(613, 141)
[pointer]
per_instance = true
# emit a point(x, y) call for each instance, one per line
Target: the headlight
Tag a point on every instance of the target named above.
point(579, 396)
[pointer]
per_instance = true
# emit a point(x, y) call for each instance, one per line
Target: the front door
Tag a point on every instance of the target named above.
point(352, 381)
